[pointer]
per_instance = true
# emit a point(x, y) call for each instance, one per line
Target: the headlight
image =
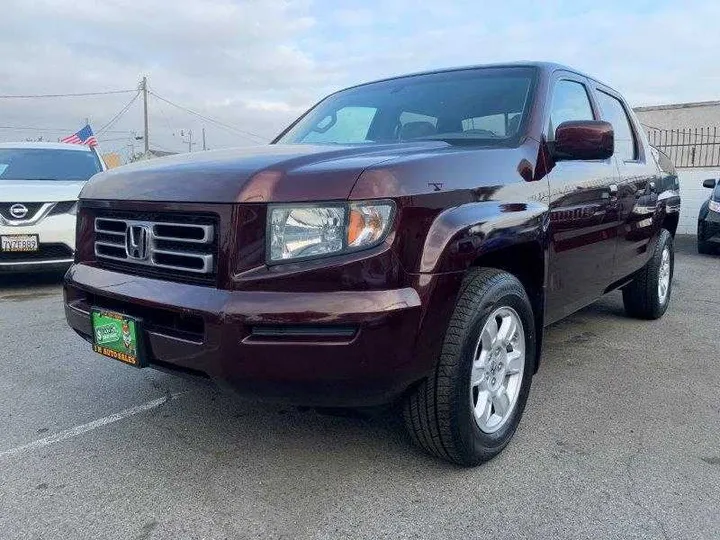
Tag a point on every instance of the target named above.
point(715, 206)
point(297, 231)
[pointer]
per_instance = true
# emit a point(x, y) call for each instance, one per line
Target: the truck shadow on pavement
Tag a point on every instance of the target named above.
point(222, 426)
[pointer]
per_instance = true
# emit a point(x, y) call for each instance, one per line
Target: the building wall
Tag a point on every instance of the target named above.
point(693, 196)
point(682, 116)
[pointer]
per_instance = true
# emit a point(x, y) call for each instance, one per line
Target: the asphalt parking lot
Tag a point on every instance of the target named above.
point(620, 439)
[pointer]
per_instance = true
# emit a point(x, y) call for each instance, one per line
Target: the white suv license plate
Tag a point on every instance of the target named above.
point(19, 243)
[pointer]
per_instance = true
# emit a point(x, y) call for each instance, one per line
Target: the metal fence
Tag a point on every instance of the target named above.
point(695, 147)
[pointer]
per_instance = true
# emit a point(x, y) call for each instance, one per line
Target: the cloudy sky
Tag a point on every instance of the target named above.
point(256, 64)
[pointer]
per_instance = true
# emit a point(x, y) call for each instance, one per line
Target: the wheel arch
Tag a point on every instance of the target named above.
point(527, 261)
point(505, 236)
point(670, 222)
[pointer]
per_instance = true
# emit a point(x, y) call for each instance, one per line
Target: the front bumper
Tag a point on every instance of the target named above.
point(345, 348)
point(57, 246)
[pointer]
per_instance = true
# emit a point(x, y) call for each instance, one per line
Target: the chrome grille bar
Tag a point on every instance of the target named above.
point(182, 247)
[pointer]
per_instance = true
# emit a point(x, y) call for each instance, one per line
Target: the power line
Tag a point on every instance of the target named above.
point(212, 120)
point(119, 114)
point(80, 94)
point(55, 130)
point(113, 140)
point(165, 118)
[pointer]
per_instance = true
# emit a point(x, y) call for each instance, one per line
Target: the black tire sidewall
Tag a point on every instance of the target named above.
point(664, 240)
point(702, 246)
point(481, 445)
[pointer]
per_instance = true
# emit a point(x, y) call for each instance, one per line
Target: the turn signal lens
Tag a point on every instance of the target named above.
point(356, 225)
point(368, 223)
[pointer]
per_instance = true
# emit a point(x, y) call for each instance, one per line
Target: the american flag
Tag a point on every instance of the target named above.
point(84, 136)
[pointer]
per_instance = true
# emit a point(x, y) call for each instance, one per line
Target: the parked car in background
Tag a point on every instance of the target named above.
point(405, 240)
point(708, 232)
point(39, 186)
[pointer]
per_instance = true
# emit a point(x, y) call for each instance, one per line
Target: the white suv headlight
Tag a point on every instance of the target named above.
point(715, 206)
point(302, 231)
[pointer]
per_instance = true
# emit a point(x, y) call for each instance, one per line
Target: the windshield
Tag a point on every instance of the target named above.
point(47, 164)
point(487, 105)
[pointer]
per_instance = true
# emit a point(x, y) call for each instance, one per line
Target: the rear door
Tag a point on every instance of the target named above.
point(638, 186)
point(583, 210)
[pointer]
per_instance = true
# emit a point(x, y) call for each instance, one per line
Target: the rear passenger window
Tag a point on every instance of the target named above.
point(570, 102)
point(614, 112)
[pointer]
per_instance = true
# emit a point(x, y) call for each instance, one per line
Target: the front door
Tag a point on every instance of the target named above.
point(583, 212)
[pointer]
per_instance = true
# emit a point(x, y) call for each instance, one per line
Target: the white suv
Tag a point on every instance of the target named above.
point(39, 187)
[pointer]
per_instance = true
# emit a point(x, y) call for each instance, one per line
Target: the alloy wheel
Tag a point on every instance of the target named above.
point(497, 369)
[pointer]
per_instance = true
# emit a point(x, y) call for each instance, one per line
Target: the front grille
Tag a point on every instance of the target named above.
point(32, 209)
point(167, 246)
point(46, 252)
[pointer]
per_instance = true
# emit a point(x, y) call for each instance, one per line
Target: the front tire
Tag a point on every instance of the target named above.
point(703, 247)
point(469, 408)
point(648, 295)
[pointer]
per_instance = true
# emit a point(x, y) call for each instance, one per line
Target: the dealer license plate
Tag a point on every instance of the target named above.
point(14, 243)
point(117, 336)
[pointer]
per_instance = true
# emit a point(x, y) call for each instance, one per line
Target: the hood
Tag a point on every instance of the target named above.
point(272, 173)
point(14, 191)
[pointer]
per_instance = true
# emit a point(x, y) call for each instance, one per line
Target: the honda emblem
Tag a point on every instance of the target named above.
point(137, 242)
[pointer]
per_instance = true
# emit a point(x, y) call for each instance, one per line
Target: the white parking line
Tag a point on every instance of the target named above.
point(84, 428)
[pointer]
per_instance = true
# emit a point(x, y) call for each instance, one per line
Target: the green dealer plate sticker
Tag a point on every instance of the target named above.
point(117, 336)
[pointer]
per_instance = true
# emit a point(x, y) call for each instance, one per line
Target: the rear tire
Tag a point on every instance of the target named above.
point(648, 295)
point(467, 411)
point(704, 248)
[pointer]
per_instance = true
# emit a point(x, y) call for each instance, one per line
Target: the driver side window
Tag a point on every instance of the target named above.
point(570, 102)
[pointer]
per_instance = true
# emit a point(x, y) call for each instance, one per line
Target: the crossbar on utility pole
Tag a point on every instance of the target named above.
point(145, 115)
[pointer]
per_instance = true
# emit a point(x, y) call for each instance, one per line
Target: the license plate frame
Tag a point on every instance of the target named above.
point(30, 243)
point(118, 336)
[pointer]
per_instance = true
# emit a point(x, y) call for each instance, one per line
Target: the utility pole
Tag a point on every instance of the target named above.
point(204, 145)
point(189, 141)
point(143, 86)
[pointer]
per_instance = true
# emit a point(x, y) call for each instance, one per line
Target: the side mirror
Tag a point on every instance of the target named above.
point(709, 183)
point(584, 139)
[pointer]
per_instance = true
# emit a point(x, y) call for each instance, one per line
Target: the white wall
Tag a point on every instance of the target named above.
point(693, 195)
point(682, 116)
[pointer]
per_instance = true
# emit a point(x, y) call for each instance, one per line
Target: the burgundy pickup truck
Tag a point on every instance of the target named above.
point(404, 241)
